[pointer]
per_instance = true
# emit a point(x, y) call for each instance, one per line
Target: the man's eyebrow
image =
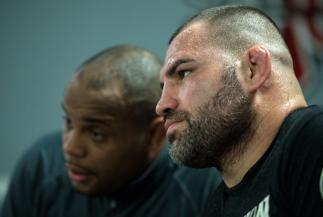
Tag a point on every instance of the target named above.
point(175, 64)
point(95, 120)
point(171, 69)
point(103, 119)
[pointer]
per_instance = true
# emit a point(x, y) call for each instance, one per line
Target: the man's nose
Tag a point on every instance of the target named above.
point(167, 101)
point(74, 144)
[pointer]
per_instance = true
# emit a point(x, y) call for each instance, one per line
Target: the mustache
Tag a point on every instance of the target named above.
point(177, 115)
point(75, 162)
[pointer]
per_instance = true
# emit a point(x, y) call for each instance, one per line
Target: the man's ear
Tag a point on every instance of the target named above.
point(157, 137)
point(257, 67)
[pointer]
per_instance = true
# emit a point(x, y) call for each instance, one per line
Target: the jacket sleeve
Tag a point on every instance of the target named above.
point(19, 198)
point(27, 178)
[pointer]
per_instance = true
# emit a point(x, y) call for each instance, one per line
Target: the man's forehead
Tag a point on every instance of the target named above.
point(94, 105)
point(192, 40)
point(79, 96)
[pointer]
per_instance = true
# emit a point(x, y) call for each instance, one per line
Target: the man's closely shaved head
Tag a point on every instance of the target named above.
point(236, 28)
point(131, 73)
point(112, 133)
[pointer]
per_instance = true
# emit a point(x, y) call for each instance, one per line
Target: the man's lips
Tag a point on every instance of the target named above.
point(169, 123)
point(77, 174)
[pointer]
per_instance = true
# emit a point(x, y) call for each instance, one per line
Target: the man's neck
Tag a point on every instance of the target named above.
point(267, 125)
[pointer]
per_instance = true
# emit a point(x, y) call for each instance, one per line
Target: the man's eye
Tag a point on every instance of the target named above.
point(67, 123)
point(97, 135)
point(184, 73)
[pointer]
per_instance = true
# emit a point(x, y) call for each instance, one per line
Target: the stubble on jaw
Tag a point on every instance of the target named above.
point(220, 132)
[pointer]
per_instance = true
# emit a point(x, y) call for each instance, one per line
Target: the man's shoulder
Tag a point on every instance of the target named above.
point(300, 124)
point(44, 158)
point(50, 142)
point(47, 147)
point(38, 175)
point(43, 164)
point(312, 128)
point(300, 164)
point(304, 129)
point(307, 143)
point(307, 115)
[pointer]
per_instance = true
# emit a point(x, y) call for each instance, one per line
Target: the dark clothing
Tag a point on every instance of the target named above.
point(286, 180)
point(40, 187)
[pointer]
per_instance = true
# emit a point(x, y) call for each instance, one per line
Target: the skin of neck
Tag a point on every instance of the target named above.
point(271, 110)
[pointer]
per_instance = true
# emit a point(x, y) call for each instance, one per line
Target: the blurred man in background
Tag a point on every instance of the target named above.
point(111, 159)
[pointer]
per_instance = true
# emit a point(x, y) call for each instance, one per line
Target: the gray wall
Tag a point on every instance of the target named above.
point(42, 43)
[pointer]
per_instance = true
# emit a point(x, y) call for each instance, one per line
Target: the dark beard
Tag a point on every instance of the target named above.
point(220, 133)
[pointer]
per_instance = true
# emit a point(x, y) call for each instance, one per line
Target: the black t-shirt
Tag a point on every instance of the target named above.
point(286, 181)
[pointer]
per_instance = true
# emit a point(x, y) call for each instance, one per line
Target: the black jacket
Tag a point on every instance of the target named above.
point(40, 187)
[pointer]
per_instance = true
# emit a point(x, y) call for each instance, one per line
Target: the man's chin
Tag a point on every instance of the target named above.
point(176, 153)
point(85, 189)
point(183, 155)
point(171, 138)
